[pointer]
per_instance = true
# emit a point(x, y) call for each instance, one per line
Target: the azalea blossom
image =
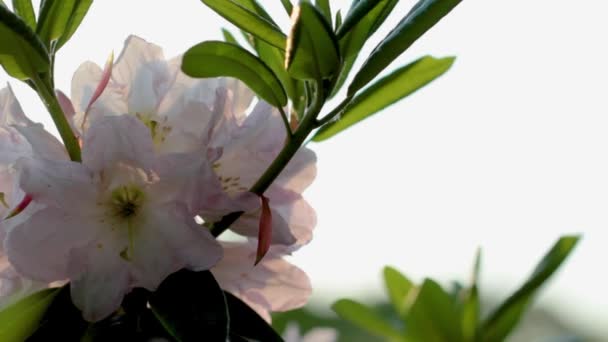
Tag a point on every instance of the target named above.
point(210, 117)
point(272, 285)
point(118, 220)
point(19, 137)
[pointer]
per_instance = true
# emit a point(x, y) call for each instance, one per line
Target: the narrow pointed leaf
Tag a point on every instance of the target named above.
point(255, 7)
point(229, 37)
point(386, 91)
point(424, 15)
point(53, 19)
point(216, 59)
point(274, 59)
point(358, 10)
point(312, 48)
point(248, 21)
point(470, 313)
point(287, 5)
point(25, 10)
point(78, 13)
point(433, 317)
point(325, 9)
point(505, 318)
point(265, 231)
point(191, 306)
point(21, 319)
point(22, 54)
point(352, 43)
point(338, 20)
point(398, 288)
point(365, 318)
point(247, 324)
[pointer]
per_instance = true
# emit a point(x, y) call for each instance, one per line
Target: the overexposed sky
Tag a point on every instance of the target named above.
point(507, 151)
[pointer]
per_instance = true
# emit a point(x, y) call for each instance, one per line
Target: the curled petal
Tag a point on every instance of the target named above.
point(142, 69)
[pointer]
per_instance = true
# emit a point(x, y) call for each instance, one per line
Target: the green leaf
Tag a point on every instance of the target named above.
point(352, 43)
point(255, 7)
point(398, 288)
point(365, 318)
point(229, 37)
point(324, 8)
point(470, 303)
point(287, 5)
point(25, 10)
point(53, 19)
point(312, 48)
point(470, 314)
point(246, 323)
point(215, 59)
point(248, 21)
point(79, 12)
point(338, 20)
point(20, 320)
point(22, 54)
point(386, 91)
point(191, 306)
point(62, 321)
point(358, 10)
point(424, 15)
point(433, 317)
point(274, 59)
point(502, 321)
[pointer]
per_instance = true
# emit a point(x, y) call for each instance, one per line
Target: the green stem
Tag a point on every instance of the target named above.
point(276, 167)
point(65, 131)
point(337, 111)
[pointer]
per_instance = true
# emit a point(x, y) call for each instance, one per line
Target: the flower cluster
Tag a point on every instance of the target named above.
point(164, 156)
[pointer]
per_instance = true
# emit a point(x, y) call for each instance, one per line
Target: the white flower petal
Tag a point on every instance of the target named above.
point(273, 285)
point(40, 247)
point(99, 291)
point(113, 140)
point(168, 241)
point(141, 67)
point(63, 184)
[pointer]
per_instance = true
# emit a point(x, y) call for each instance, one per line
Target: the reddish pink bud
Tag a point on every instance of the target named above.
point(21, 206)
point(103, 83)
point(265, 232)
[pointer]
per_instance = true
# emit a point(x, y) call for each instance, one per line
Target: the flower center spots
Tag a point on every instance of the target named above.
point(231, 185)
point(159, 129)
point(126, 201)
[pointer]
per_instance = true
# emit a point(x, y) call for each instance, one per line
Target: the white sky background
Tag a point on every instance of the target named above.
point(507, 151)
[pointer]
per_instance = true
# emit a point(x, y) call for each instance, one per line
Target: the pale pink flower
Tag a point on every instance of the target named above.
point(120, 219)
point(19, 137)
point(253, 145)
point(272, 285)
point(210, 117)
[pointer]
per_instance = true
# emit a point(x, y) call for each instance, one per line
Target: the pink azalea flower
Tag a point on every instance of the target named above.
point(118, 220)
point(272, 285)
point(254, 143)
point(193, 115)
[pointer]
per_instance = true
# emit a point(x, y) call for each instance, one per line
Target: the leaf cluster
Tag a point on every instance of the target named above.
point(427, 312)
